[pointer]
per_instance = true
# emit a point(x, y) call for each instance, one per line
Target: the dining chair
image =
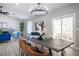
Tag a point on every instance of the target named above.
point(25, 48)
point(34, 51)
point(21, 43)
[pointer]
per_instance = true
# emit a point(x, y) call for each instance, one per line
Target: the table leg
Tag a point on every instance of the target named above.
point(63, 53)
point(50, 52)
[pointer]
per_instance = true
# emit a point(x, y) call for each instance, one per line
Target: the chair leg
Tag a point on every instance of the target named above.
point(21, 53)
point(19, 50)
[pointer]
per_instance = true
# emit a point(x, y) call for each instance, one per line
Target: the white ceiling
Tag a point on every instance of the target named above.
point(21, 11)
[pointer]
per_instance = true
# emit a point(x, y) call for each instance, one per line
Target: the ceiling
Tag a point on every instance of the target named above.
point(21, 10)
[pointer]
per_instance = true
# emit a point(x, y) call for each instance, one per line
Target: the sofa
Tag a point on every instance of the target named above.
point(5, 36)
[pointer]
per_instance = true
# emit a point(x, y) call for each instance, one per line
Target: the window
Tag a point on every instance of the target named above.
point(63, 28)
point(3, 24)
point(29, 27)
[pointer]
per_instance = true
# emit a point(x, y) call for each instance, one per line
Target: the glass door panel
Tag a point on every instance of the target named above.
point(57, 29)
point(67, 28)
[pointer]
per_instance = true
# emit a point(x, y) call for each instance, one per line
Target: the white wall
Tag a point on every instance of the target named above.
point(65, 10)
point(11, 22)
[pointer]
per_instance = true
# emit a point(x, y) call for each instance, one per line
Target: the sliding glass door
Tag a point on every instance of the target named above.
point(57, 29)
point(67, 28)
point(63, 28)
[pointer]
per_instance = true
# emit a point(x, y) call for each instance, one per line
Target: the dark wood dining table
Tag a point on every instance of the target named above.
point(57, 45)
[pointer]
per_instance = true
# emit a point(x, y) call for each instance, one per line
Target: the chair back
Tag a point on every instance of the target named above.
point(21, 41)
point(33, 51)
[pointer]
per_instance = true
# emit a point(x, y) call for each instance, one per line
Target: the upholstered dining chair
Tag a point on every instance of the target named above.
point(23, 45)
point(25, 48)
point(29, 50)
point(33, 51)
point(20, 43)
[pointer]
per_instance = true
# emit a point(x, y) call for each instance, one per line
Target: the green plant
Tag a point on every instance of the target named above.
point(1, 32)
point(22, 27)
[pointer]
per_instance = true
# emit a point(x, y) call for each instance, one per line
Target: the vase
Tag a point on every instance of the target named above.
point(40, 38)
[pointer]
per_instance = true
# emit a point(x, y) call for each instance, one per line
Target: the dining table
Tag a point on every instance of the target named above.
point(57, 45)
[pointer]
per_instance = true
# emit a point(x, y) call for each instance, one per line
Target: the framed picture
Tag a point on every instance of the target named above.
point(39, 26)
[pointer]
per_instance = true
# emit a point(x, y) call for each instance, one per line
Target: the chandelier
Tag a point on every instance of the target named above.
point(39, 10)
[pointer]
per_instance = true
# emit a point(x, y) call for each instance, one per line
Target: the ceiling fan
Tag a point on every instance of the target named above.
point(3, 12)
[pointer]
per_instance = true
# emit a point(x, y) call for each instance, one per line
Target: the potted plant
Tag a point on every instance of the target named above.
point(1, 32)
point(21, 28)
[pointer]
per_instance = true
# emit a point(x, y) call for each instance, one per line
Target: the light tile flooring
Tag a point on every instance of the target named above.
point(11, 48)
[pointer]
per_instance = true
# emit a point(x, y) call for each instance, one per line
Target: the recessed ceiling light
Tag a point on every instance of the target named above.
point(17, 3)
